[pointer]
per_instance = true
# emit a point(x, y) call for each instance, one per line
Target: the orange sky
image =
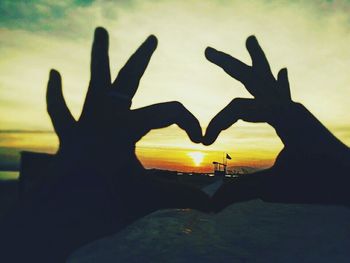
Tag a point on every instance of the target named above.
point(152, 155)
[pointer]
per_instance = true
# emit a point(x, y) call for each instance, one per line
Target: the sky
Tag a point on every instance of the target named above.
point(310, 38)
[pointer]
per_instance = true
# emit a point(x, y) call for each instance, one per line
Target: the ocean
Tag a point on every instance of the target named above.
point(9, 175)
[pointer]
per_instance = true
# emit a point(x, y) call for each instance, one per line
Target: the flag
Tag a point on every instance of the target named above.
point(228, 156)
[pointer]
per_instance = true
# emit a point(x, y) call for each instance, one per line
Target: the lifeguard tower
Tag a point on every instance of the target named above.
point(219, 169)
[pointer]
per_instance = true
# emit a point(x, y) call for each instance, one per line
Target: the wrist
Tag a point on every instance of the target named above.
point(286, 122)
point(300, 130)
point(285, 114)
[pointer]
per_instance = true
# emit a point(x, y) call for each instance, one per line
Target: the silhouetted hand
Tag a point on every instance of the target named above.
point(95, 185)
point(106, 122)
point(104, 137)
point(269, 94)
point(313, 165)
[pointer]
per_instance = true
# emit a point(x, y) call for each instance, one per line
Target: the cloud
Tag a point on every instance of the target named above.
point(69, 17)
point(66, 18)
point(31, 14)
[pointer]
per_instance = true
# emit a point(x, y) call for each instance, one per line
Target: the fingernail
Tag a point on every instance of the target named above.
point(251, 41)
point(100, 31)
point(283, 73)
point(101, 34)
point(53, 73)
point(152, 41)
point(197, 139)
point(210, 52)
point(205, 141)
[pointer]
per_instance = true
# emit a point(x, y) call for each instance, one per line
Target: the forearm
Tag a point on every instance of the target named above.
point(299, 129)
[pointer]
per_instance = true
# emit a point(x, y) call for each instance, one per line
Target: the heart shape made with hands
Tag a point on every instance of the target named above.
point(107, 125)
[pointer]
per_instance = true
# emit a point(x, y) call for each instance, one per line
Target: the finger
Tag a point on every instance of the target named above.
point(129, 76)
point(283, 84)
point(266, 85)
point(165, 114)
point(239, 108)
point(232, 66)
point(259, 60)
point(59, 113)
point(100, 72)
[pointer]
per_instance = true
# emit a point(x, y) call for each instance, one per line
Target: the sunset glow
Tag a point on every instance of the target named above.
point(197, 157)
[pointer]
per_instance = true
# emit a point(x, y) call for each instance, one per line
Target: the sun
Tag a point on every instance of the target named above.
point(197, 157)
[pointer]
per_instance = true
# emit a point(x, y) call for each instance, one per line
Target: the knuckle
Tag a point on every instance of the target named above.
point(50, 109)
point(235, 102)
point(177, 105)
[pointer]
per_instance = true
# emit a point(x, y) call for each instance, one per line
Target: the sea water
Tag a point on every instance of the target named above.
point(9, 175)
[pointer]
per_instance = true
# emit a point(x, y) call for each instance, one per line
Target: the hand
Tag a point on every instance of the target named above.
point(104, 137)
point(107, 129)
point(270, 95)
point(107, 125)
point(311, 154)
point(95, 185)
